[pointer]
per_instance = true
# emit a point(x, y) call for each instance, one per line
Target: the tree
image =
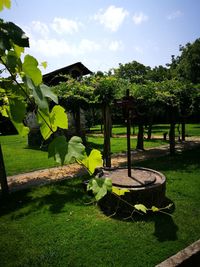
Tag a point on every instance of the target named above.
point(75, 95)
point(187, 66)
point(134, 72)
point(106, 88)
point(158, 74)
point(145, 108)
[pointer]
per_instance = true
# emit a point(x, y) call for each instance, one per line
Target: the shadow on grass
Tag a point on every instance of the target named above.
point(91, 145)
point(178, 162)
point(165, 229)
point(52, 197)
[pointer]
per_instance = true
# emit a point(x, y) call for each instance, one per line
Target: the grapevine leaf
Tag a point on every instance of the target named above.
point(108, 184)
point(49, 122)
point(119, 191)
point(40, 100)
point(58, 149)
point(38, 95)
point(93, 161)
point(5, 3)
point(59, 117)
point(17, 109)
point(30, 67)
point(11, 61)
point(99, 187)
point(43, 118)
point(18, 50)
point(154, 209)
point(44, 64)
point(140, 207)
point(11, 34)
point(76, 150)
point(47, 92)
point(3, 111)
point(21, 129)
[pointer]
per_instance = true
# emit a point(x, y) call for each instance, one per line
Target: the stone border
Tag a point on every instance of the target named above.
point(190, 256)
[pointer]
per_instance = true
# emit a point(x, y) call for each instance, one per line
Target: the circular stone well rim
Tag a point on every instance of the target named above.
point(159, 183)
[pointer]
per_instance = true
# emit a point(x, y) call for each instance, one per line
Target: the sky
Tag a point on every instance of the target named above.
point(103, 33)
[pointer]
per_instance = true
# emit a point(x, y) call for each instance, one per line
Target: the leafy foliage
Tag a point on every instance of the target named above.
point(5, 4)
point(99, 187)
point(119, 191)
point(93, 160)
point(76, 150)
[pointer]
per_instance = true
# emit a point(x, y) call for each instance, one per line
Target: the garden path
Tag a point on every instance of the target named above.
point(21, 181)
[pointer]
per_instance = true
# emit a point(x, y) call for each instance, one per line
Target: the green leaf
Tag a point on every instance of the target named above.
point(12, 61)
point(5, 3)
point(11, 34)
point(3, 111)
point(93, 161)
point(18, 50)
point(21, 129)
point(47, 92)
point(43, 118)
point(30, 67)
point(141, 207)
point(17, 109)
point(154, 209)
point(58, 149)
point(99, 187)
point(59, 117)
point(38, 95)
point(76, 150)
point(119, 191)
point(49, 122)
point(44, 64)
point(40, 100)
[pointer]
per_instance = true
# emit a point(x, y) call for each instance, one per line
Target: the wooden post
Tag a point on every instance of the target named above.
point(128, 127)
point(3, 178)
point(172, 138)
point(107, 133)
point(140, 137)
point(183, 131)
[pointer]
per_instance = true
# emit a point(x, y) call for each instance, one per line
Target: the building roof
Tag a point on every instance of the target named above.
point(75, 70)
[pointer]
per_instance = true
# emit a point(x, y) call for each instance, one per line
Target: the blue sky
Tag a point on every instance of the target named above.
point(103, 33)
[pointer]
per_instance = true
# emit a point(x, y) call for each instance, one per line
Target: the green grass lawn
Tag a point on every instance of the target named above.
point(19, 158)
point(52, 225)
point(191, 129)
point(119, 144)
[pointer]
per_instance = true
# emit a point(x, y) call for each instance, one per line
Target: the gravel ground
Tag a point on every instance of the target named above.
point(20, 181)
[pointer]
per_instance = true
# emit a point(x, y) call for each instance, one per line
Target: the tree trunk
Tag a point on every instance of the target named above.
point(183, 131)
point(172, 138)
point(149, 132)
point(3, 178)
point(140, 137)
point(107, 134)
point(79, 131)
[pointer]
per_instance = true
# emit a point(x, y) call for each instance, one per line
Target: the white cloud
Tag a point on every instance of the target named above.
point(55, 48)
point(112, 18)
point(115, 46)
point(175, 15)
point(40, 27)
point(62, 26)
point(88, 46)
point(138, 18)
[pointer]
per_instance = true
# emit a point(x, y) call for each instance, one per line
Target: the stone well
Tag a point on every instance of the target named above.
point(146, 186)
